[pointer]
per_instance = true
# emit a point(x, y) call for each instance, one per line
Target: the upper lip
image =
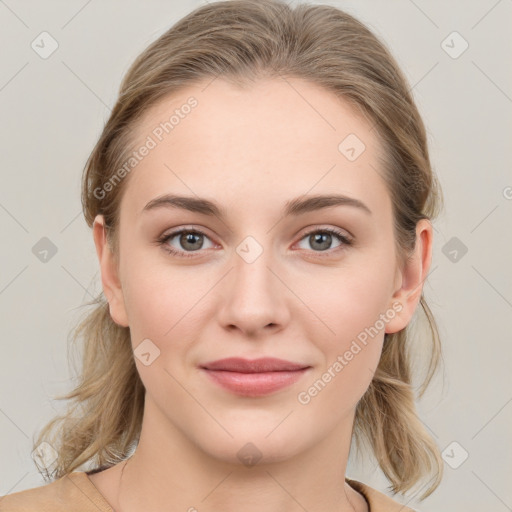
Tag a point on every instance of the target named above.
point(263, 364)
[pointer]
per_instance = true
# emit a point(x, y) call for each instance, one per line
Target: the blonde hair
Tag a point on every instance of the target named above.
point(243, 41)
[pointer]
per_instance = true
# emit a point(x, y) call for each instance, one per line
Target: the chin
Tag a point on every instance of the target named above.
point(255, 446)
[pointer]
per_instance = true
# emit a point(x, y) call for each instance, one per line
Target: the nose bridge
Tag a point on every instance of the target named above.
point(252, 278)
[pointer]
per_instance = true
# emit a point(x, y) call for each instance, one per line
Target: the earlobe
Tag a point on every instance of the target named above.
point(412, 278)
point(109, 273)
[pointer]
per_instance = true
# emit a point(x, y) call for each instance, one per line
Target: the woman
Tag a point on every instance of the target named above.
point(261, 201)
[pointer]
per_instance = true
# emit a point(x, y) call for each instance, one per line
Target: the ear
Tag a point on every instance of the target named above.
point(109, 273)
point(411, 278)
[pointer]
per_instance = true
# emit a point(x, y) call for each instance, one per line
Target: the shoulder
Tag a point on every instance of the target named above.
point(74, 490)
point(378, 501)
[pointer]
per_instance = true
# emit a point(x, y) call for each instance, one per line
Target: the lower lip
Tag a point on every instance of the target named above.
point(254, 384)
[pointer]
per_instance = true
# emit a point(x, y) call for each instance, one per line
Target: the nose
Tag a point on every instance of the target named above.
point(254, 297)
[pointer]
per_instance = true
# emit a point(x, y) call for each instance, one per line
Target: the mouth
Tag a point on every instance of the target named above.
point(253, 378)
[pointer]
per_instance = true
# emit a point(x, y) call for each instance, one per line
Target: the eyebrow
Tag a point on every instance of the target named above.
point(297, 206)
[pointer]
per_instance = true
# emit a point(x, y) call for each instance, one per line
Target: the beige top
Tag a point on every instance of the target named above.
point(75, 492)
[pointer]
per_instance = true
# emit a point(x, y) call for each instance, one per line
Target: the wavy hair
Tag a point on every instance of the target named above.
point(243, 41)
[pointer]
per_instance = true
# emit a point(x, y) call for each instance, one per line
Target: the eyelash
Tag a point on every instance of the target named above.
point(184, 254)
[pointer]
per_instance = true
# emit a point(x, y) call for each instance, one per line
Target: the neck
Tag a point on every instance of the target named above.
point(169, 471)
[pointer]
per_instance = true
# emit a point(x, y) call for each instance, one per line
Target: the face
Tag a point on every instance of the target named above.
point(261, 277)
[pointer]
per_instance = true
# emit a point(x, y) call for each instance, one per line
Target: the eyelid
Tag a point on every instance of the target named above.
point(313, 228)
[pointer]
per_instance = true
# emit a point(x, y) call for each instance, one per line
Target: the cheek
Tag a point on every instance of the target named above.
point(350, 356)
point(351, 309)
point(158, 298)
point(347, 302)
point(160, 308)
point(166, 306)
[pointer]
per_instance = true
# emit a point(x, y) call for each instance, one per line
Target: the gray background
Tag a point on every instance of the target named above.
point(53, 110)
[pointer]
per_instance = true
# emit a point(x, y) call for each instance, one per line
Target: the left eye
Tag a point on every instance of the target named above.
point(322, 238)
point(193, 241)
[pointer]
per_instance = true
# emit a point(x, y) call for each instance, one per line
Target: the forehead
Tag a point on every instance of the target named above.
point(271, 140)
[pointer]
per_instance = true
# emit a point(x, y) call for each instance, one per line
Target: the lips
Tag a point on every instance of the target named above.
point(254, 378)
point(264, 364)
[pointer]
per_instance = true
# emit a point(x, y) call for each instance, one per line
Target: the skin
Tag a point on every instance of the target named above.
point(251, 151)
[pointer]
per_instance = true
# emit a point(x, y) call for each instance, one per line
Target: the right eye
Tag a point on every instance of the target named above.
point(191, 239)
